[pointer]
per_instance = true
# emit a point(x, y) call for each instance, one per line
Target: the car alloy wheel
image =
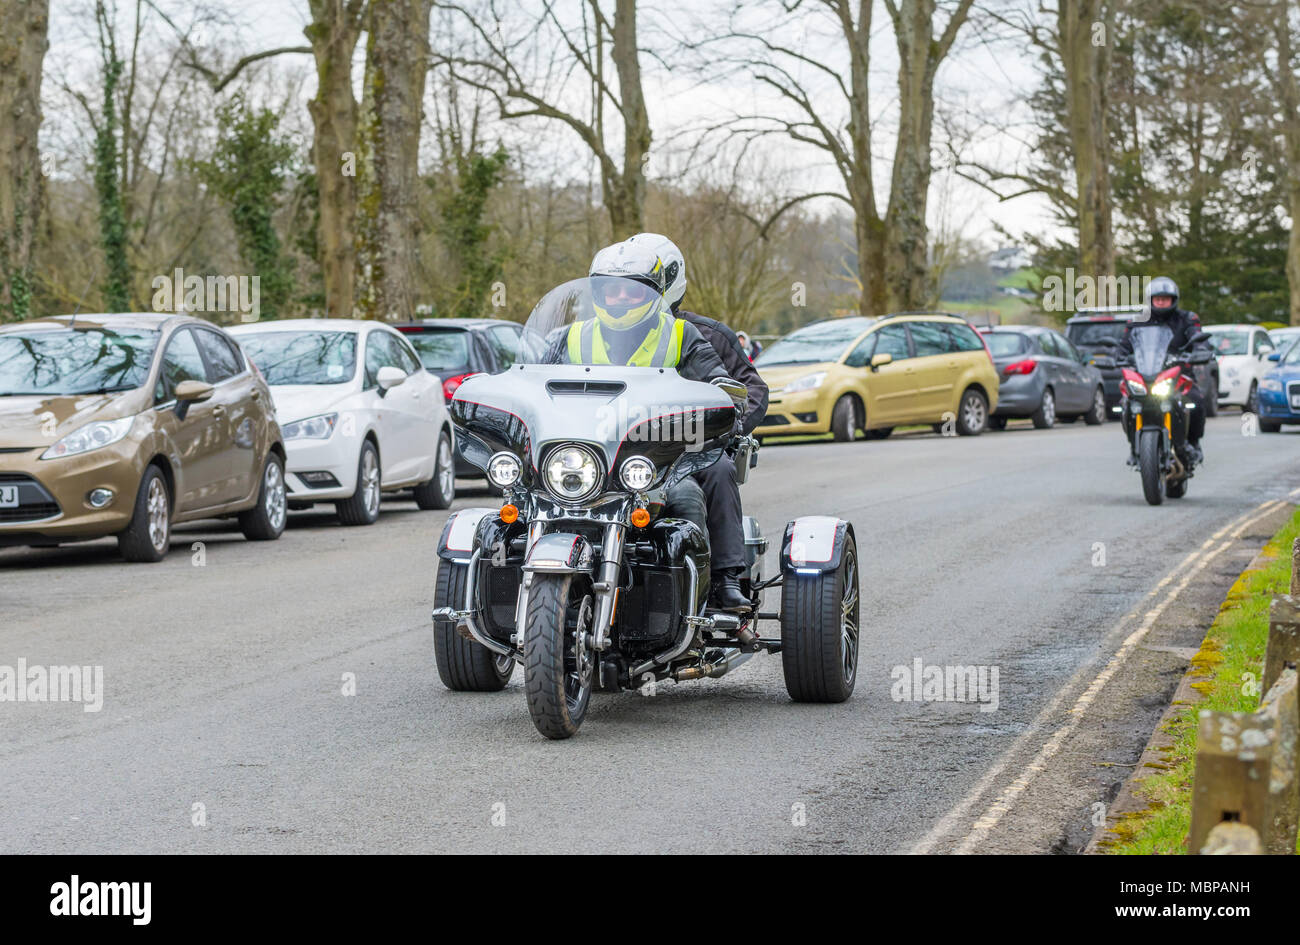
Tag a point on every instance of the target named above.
point(973, 412)
point(276, 500)
point(159, 520)
point(370, 481)
point(446, 468)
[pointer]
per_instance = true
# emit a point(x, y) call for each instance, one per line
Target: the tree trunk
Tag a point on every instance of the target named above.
point(334, 31)
point(23, 28)
point(625, 196)
point(397, 58)
point(1288, 94)
point(1086, 66)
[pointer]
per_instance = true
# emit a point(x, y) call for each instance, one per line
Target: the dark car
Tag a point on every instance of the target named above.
point(1090, 331)
point(455, 348)
point(1042, 376)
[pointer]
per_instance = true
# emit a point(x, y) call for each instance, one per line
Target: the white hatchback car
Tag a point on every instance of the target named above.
point(1243, 352)
point(359, 413)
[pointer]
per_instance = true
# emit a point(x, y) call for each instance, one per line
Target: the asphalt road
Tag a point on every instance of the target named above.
point(225, 727)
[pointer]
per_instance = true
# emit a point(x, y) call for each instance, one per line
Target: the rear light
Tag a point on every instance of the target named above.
point(1020, 367)
point(450, 384)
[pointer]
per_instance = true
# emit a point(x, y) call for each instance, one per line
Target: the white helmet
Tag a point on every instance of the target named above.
point(674, 263)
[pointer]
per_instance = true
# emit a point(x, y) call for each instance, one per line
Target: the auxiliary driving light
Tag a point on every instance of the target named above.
point(98, 498)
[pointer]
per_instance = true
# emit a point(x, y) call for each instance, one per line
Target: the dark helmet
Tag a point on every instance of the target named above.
point(1159, 287)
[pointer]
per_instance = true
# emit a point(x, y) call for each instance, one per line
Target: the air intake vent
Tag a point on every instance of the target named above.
point(608, 388)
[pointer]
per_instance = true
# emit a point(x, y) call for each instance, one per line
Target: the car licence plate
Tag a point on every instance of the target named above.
point(8, 497)
point(1295, 400)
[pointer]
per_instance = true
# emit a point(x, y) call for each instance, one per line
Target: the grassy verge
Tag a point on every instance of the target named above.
point(1233, 648)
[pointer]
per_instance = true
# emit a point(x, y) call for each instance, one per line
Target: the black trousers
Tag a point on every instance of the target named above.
point(711, 499)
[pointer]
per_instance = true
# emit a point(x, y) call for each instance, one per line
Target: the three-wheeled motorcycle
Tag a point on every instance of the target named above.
point(582, 576)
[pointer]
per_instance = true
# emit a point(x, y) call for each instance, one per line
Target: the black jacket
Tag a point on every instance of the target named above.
point(737, 364)
point(1184, 324)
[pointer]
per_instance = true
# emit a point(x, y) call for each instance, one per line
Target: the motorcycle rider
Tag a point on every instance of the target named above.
point(638, 328)
point(1162, 303)
point(721, 491)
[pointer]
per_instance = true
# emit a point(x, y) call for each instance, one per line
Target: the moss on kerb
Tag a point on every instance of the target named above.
point(1233, 647)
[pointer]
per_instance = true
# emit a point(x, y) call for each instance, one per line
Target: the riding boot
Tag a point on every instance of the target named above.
point(727, 594)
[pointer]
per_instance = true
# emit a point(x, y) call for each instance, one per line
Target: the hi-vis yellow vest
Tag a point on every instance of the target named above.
point(662, 346)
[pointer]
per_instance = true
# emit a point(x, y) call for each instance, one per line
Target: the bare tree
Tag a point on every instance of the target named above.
point(23, 29)
point(334, 30)
point(504, 63)
point(397, 61)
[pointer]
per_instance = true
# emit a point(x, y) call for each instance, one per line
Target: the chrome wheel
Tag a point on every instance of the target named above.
point(159, 516)
point(273, 486)
point(973, 413)
point(370, 481)
point(849, 614)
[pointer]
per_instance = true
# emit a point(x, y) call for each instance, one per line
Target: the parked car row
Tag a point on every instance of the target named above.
point(127, 424)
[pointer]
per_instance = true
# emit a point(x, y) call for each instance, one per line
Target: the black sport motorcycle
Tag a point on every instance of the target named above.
point(1154, 387)
point(581, 577)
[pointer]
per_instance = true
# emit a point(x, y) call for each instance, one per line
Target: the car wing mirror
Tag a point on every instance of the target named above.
point(1104, 361)
point(1275, 356)
point(389, 377)
point(880, 360)
point(191, 392)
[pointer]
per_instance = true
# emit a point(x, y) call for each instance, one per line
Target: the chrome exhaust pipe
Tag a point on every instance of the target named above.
point(713, 670)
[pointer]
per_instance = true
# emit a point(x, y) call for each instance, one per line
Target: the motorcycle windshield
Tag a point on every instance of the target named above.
point(1150, 345)
point(594, 367)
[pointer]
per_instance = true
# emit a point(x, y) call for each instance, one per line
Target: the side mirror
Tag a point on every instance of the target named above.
point(1199, 337)
point(389, 377)
point(1275, 356)
point(1201, 357)
point(1103, 362)
point(191, 392)
point(880, 360)
point(737, 391)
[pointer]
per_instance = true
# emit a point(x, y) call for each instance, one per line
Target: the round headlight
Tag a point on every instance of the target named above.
point(503, 469)
point(637, 473)
point(572, 472)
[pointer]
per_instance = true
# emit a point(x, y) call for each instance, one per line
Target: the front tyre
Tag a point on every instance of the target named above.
point(439, 491)
point(1045, 416)
point(1153, 476)
point(463, 665)
point(148, 536)
point(558, 663)
point(362, 507)
point(265, 520)
point(844, 420)
point(820, 619)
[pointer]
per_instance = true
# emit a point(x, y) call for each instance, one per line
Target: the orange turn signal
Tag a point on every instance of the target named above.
point(640, 518)
point(509, 514)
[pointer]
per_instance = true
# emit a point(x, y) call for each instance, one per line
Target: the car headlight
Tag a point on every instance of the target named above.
point(637, 473)
point(90, 437)
point(503, 469)
point(807, 382)
point(572, 472)
point(1271, 383)
point(1162, 388)
point(313, 428)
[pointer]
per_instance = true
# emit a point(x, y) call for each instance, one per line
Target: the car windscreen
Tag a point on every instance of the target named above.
point(1095, 333)
point(1005, 343)
point(303, 357)
point(441, 349)
point(825, 341)
point(1292, 355)
point(65, 361)
point(1230, 342)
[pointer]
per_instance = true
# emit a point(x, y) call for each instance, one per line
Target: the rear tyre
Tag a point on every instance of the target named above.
point(1252, 400)
point(880, 433)
point(1045, 416)
point(997, 423)
point(1269, 426)
point(1153, 477)
point(1212, 399)
point(1097, 415)
point(148, 536)
point(463, 665)
point(558, 666)
point(265, 521)
point(972, 413)
point(439, 491)
point(362, 507)
point(844, 420)
point(820, 620)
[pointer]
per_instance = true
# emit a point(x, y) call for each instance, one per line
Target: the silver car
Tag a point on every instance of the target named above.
point(1042, 376)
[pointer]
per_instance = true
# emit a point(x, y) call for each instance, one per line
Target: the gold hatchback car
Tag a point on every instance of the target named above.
point(843, 375)
point(126, 424)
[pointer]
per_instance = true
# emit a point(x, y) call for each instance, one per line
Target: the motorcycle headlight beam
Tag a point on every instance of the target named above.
point(572, 473)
